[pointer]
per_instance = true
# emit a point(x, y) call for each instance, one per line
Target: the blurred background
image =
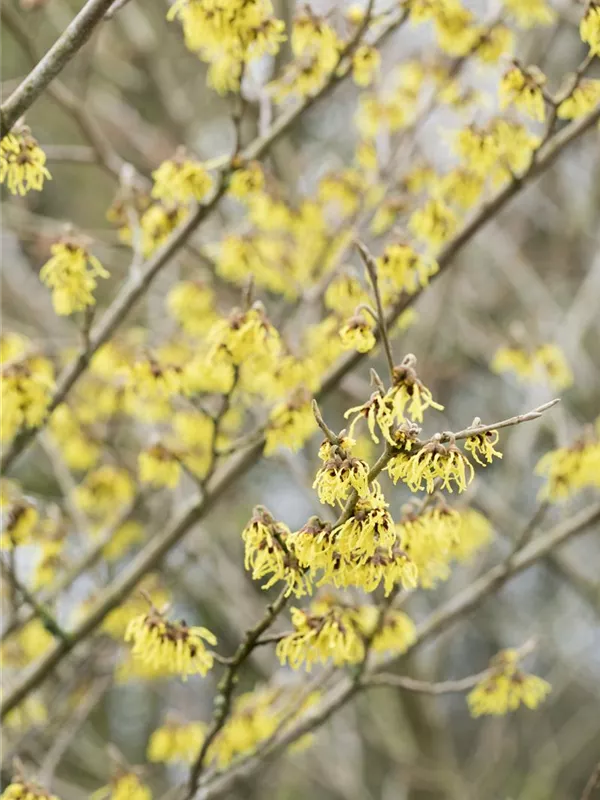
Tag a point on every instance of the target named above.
point(532, 275)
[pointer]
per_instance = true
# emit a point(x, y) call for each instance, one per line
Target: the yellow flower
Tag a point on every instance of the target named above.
point(340, 473)
point(404, 268)
point(104, 492)
point(243, 335)
point(79, 450)
point(390, 567)
point(481, 446)
point(378, 410)
point(227, 34)
point(365, 65)
point(159, 466)
point(180, 179)
point(589, 27)
point(528, 13)
point(51, 559)
point(124, 539)
point(551, 359)
point(522, 87)
point(269, 550)
point(344, 294)
point(582, 100)
point(456, 33)
point(570, 469)
point(370, 527)
point(19, 524)
point(125, 786)
point(428, 537)
point(343, 189)
point(547, 360)
point(435, 461)
point(397, 632)
point(320, 637)
point(29, 644)
point(150, 384)
point(13, 346)
point(434, 223)
point(191, 303)
point(254, 717)
point(172, 646)
point(71, 274)
point(357, 334)
point(30, 713)
point(116, 622)
point(174, 742)
point(387, 213)
point(477, 149)
point(408, 394)
point(514, 145)
point(512, 359)
point(247, 181)
point(474, 533)
point(21, 789)
point(290, 424)
point(26, 388)
point(22, 162)
point(156, 224)
point(506, 688)
point(494, 43)
point(460, 186)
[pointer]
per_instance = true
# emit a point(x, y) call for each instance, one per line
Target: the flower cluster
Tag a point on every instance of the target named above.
point(336, 632)
point(546, 361)
point(115, 623)
point(22, 162)
point(71, 273)
point(269, 550)
point(404, 269)
point(506, 688)
point(290, 423)
point(341, 472)
point(316, 48)
point(175, 741)
point(570, 469)
point(523, 87)
point(434, 463)
point(228, 35)
point(124, 786)
point(19, 521)
point(181, 179)
point(589, 27)
point(26, 384)
point(22, 789)
point(170, 646)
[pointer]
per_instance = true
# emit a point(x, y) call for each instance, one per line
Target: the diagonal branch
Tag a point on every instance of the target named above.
point(59, 55)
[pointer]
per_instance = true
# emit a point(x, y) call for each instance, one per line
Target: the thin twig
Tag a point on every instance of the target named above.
point(41, 611)
point(592, 784)
point(371, 268)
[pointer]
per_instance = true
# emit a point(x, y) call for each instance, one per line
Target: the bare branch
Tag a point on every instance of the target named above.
point(59, 55)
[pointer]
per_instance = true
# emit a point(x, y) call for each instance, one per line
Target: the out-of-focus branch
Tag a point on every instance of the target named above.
point(41, 611)
point(101, 151)
point(59, 55)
